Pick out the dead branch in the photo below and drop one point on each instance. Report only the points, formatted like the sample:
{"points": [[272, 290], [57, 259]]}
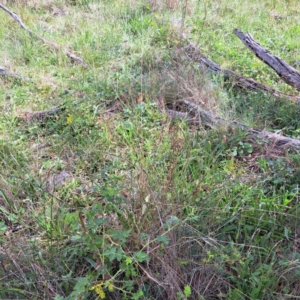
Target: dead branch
{"points": [[40, 115], [195, 115], [52, 45], [5, 72], [286, 72], [177, 114], [195, 55]]}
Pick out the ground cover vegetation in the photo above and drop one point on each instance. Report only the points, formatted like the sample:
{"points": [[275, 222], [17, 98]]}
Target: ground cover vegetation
{"points": [[108, 196]]}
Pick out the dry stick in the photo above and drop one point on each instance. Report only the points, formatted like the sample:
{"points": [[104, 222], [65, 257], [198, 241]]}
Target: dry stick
{"points": [[286, 72], [194, 54], [52, 45], [197, 116]]}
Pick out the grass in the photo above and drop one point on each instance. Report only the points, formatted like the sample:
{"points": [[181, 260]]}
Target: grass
{"points": [[112, 199], [262, 20]]}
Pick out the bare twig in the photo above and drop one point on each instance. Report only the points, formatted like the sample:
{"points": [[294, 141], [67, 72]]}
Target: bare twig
{"points": [[52, 45], [150, 276]]}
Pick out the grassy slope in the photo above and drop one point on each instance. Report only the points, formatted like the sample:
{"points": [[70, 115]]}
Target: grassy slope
{"points": [[151, 209]]}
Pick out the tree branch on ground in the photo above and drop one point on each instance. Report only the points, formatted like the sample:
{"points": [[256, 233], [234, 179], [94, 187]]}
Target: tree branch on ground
{"points": [[194, 54], [52, 45], [286, 72], [5, 72], [197, 116], [41, 115]]}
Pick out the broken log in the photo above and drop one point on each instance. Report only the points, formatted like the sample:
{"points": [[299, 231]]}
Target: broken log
{"points": [[195, 55], [286, 72]]}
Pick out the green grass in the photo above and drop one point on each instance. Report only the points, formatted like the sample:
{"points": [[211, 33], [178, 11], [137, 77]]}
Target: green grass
{"points": [[145, 207]]}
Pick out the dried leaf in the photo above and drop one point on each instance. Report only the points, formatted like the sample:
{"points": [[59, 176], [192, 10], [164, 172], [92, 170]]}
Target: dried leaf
{"points": [[140, 98]]}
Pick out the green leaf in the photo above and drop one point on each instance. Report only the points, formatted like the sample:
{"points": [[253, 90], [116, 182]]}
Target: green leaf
{"points": [[119, 255], [141, 256], [187, 291], [76, 237], [120, 235], [67, 276], [183, 262], [81, 285], [286, 233], [128, 261], [110, 253], [137, 295], [163, 239]]}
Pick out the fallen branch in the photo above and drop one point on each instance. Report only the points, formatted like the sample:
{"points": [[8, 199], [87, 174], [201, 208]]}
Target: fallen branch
{"points": [[40, 115], [194, 54], [286, 72], [52, 45], [5, 72], [195, 115]]}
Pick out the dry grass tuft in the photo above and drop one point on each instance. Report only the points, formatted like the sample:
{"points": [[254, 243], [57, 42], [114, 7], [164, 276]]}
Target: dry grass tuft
{"points": [[186, 81]]}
